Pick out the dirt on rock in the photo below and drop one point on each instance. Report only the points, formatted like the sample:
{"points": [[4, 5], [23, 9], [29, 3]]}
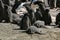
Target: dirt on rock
{"points": [[10, 31]]}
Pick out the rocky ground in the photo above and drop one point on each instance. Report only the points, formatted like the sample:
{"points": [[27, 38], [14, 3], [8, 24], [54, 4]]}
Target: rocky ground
{"points": [[10, 31]]}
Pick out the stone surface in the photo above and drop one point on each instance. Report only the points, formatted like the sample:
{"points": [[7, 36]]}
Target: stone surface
{"points": [[10, 32]]}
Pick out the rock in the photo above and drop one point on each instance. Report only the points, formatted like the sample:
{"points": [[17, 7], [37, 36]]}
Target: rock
{"points": [[33, 29], [39, 23]]}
